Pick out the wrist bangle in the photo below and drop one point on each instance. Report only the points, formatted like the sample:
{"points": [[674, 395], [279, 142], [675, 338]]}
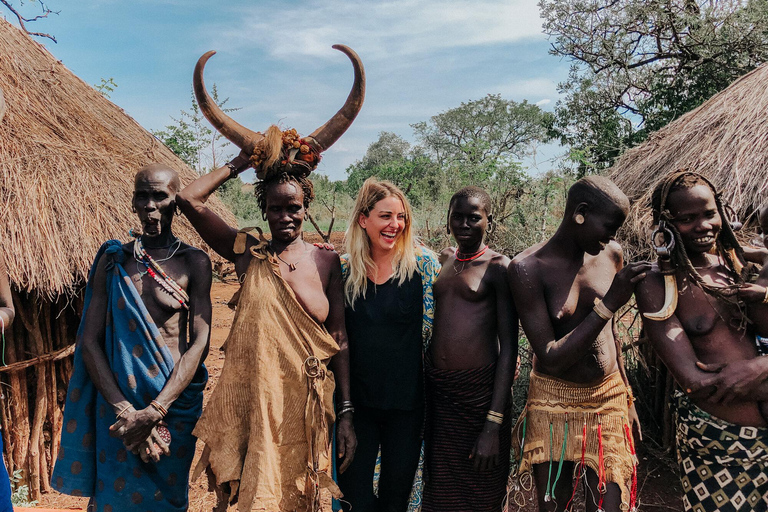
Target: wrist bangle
{"points": [[122, 412], [159, 408], [495, 417], [344, 411], [233, 172], [602, 310], [630, 397]]}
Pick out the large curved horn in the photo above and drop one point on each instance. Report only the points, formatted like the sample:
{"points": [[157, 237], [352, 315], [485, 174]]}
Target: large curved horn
{"points": [[2, 105], [330, 132], [238, 134]]}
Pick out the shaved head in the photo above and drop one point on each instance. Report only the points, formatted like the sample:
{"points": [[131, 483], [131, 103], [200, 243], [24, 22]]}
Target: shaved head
{"points": [[159, 172], [598, 192]]}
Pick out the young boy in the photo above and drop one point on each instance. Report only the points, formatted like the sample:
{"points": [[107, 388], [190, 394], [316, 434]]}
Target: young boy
{"points": [[469, 368]]}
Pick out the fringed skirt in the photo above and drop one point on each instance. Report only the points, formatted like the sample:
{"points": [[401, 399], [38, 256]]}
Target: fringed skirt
{"points": [[723, 466], [582, 423]]}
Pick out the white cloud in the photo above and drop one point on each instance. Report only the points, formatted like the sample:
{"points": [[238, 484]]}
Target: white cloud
{"points": [[543, 102], [379, 30]]}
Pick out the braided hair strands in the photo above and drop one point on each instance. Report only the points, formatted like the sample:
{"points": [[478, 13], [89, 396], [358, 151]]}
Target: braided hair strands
{"points": [[302, 182], [728, 247]]}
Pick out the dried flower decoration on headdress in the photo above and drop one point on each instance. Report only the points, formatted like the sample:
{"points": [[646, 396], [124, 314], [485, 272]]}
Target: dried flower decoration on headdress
{"points": [[277, 150]]}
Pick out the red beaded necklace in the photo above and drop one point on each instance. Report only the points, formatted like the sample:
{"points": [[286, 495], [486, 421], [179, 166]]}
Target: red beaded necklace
{"points": [[469, 257]]}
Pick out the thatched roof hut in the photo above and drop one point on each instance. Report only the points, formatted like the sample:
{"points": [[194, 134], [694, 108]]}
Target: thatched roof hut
{"points": [[725, 139], [67, 161]]}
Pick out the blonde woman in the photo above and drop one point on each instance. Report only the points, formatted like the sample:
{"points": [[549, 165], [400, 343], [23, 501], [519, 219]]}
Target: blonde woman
{"points": [[389, 309]]}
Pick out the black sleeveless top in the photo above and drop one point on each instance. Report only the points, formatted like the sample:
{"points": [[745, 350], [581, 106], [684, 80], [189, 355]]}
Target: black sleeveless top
{"points": [[385, 355]]}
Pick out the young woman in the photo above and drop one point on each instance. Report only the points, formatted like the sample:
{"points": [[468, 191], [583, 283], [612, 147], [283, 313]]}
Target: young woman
{"points": [[389, 311], [705, 334]]}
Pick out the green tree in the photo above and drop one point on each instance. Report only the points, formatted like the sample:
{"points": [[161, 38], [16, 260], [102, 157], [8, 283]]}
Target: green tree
{"points": [[194, 141], [640, 64]]}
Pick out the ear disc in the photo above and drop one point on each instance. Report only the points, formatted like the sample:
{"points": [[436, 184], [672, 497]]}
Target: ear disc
{"points": [[579, 218]]}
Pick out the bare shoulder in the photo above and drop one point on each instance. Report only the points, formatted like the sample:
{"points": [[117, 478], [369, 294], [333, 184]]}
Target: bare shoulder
{"points": [[196, 260], [525, 266], [498, 264], [650, 291], [614, 251]]}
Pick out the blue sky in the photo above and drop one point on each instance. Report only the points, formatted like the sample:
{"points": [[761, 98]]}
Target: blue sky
{"points": [[275, 59]]}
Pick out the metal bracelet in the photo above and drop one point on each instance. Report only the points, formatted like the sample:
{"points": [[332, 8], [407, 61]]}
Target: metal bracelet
{"points": [[233, 172], [602, 310], [344, 411]]}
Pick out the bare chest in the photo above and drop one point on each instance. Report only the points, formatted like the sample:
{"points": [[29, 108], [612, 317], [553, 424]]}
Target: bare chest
{"points": [[570, 296], [702, 314], [158, 301], [309, 287], [470, 284]]}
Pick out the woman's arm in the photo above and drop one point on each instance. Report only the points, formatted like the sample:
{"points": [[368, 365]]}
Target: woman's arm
{"points": [[346, 441], [212, 228]]}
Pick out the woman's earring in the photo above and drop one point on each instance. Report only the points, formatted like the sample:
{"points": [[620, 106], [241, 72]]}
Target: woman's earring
{"points": [[578, 218], [263, 215], [133, 209], [178, 211]]}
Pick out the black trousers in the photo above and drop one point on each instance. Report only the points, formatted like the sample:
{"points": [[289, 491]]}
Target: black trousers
{"points": [[399, 435]]}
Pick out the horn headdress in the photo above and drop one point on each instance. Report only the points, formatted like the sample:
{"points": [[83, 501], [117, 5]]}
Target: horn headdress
{"points": [[277, 150]]}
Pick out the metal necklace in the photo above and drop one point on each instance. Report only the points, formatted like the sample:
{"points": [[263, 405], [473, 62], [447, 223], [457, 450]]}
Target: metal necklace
{"points": [[291, 266]]}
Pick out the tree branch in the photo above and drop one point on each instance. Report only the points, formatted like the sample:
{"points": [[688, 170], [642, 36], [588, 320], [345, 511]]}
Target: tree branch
{"points": [[22, 20]]}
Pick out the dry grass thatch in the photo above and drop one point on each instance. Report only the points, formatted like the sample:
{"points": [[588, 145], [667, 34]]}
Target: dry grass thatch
{"points": [[67, 160], [725, 139]]}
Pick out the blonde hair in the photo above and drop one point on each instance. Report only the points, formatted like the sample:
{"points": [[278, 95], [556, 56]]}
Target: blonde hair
{"points": [[359, 245]]}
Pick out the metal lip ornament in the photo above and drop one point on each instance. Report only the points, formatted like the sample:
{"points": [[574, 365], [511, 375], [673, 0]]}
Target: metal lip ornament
{"points": [[275, 150]]}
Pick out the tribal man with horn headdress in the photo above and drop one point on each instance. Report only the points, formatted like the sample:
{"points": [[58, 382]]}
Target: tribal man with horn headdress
{"points": [[266, 427], [695, 314]]}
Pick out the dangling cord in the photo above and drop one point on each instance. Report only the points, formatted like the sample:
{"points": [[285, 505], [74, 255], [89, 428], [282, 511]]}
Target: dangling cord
{"points": [[580, 466], [633, 491], [562, 457], [522, 442], [547, 496], [601, 465]]}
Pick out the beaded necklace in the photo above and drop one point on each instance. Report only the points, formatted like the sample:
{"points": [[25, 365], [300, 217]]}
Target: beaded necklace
{"points": [[158, 274], [463, 258]]}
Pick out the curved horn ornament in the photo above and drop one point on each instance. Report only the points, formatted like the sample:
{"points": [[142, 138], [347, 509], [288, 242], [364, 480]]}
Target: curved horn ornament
{"points": [[238, 134], [670, 300], [330, 132]]}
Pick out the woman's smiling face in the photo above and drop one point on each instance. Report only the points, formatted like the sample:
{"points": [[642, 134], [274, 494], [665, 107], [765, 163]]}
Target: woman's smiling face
{"points": [[384, 223]]}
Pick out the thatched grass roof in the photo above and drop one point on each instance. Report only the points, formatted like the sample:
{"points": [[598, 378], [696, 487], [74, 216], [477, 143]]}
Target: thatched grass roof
{"points": [[725, 139], [67, 160]]}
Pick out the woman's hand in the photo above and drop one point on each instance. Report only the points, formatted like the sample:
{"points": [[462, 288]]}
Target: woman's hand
{"points": [[346, 441], [485, 453], [136, 426], [623, 285], [634, 423], [751, 293], [731, 381], [152, 448]]}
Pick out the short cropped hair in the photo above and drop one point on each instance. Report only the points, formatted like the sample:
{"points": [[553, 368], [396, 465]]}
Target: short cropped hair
{"points": [[598, 192], [473, 192], [302, 182]]}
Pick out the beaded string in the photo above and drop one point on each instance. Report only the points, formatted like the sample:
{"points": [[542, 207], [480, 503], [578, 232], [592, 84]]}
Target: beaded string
{"points": [[633, 492], [547, 496], [580, 467], [562, 457], [164, 280], [470, 257], [601, 465]]}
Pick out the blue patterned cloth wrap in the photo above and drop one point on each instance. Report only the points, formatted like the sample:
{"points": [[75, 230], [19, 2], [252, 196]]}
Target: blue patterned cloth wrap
{"points": [[91, 462]]}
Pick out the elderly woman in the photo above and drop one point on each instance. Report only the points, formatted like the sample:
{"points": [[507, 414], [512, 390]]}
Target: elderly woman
{"points": [[266, 427], [389, 309], [705, 334]]}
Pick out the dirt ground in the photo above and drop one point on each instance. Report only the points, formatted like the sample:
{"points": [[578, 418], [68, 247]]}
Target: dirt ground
{"points": [[658, 483]]}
